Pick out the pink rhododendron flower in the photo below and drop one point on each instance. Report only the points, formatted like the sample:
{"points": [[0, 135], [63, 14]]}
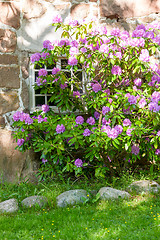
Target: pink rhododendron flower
{"points": [[116, 70], [20, 142], [91, 121], [129, 131], [42, 72], [73, 51], [47, 44], [57, 19], [63, 86], [45, 108], [104, 48], [55, 70], [35, 57], [76, 94], [96, 87], [144, 56], [78, 162], [72, 61], [60, 128], [135, 150], [142, 103], [126, 122], [79, 120], [96, 115], [138, 82], [44, 160], [105, 110], [132, 99], [86, 132]]}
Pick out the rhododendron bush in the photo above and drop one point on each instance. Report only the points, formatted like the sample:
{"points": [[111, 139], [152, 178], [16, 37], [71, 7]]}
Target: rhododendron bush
{"points": [[115, 122]]}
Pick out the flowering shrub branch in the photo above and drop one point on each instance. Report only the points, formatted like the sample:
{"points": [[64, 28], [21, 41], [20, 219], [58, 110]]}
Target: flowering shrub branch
{"points": [[118, 115]]}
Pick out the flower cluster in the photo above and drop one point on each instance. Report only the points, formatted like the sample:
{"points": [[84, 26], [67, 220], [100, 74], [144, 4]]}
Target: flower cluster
{"points": [[112, 132], [135, 150], [45, 108], [91, 121], [20, 142], [96, 87], [86, 132], [116, 70], [35, 57], [21, 116], [78, 162], [105, 110], [60, 128], [79, 120], [72, 61]]}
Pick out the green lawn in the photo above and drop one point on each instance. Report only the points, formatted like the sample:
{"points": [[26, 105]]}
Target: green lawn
{"points": [[136, 218]]}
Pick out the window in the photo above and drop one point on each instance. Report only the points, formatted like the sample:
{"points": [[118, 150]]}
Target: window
{"points": [[37, 99]]}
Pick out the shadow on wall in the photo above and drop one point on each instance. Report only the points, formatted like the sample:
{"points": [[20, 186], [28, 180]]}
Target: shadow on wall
{"points": [[33, 12]]}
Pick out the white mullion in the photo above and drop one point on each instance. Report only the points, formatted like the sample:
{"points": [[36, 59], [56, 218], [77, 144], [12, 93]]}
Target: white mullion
{"points": [[32, 91], [71, 79], [58, 64], [83, 81]]}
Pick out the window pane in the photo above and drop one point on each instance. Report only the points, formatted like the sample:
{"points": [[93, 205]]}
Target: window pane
{"points": [[39, 100], [79, 66], [49, 72], [79, 75], [76, 88], [67, 74], [64, 63], [37, 91], [39, 67], [36, 75], [51, 66]]}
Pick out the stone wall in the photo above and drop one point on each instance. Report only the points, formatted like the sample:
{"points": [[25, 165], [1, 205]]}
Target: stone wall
{"points": [[24, 25]]}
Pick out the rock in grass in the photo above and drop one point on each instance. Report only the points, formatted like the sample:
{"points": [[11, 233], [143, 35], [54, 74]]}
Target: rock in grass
{"points": [[72, 197], [144, 186], [9, 206], [111, 193], [34, 201]]}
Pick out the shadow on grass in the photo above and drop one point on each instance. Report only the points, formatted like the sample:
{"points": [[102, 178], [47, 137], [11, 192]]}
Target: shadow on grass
{"points": [[136, 218]]}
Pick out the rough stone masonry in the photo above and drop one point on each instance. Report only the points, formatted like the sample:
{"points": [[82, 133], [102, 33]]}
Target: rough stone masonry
{"points": [[24, 25]]}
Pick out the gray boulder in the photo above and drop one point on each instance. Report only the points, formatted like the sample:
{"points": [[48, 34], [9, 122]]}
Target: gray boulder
{"points": [[111, 193], [71, 197], [144, 186], [9, 206], [34, 201]]}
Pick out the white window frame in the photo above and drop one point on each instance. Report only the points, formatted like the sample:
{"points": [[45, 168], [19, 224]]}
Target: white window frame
{"points": [[32, 72]]}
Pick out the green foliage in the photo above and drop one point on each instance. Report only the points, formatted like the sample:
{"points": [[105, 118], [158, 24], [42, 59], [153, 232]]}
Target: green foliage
{"points": [[103, 145]]}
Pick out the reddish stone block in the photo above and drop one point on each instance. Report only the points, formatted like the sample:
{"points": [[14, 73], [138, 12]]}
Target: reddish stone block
{"points": [[80, 11], [32, 9], [8, 59], [9, 14], [9, 101], [9, 77], [126, 9], [62, 7], [14, 164], [8, 41]]}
